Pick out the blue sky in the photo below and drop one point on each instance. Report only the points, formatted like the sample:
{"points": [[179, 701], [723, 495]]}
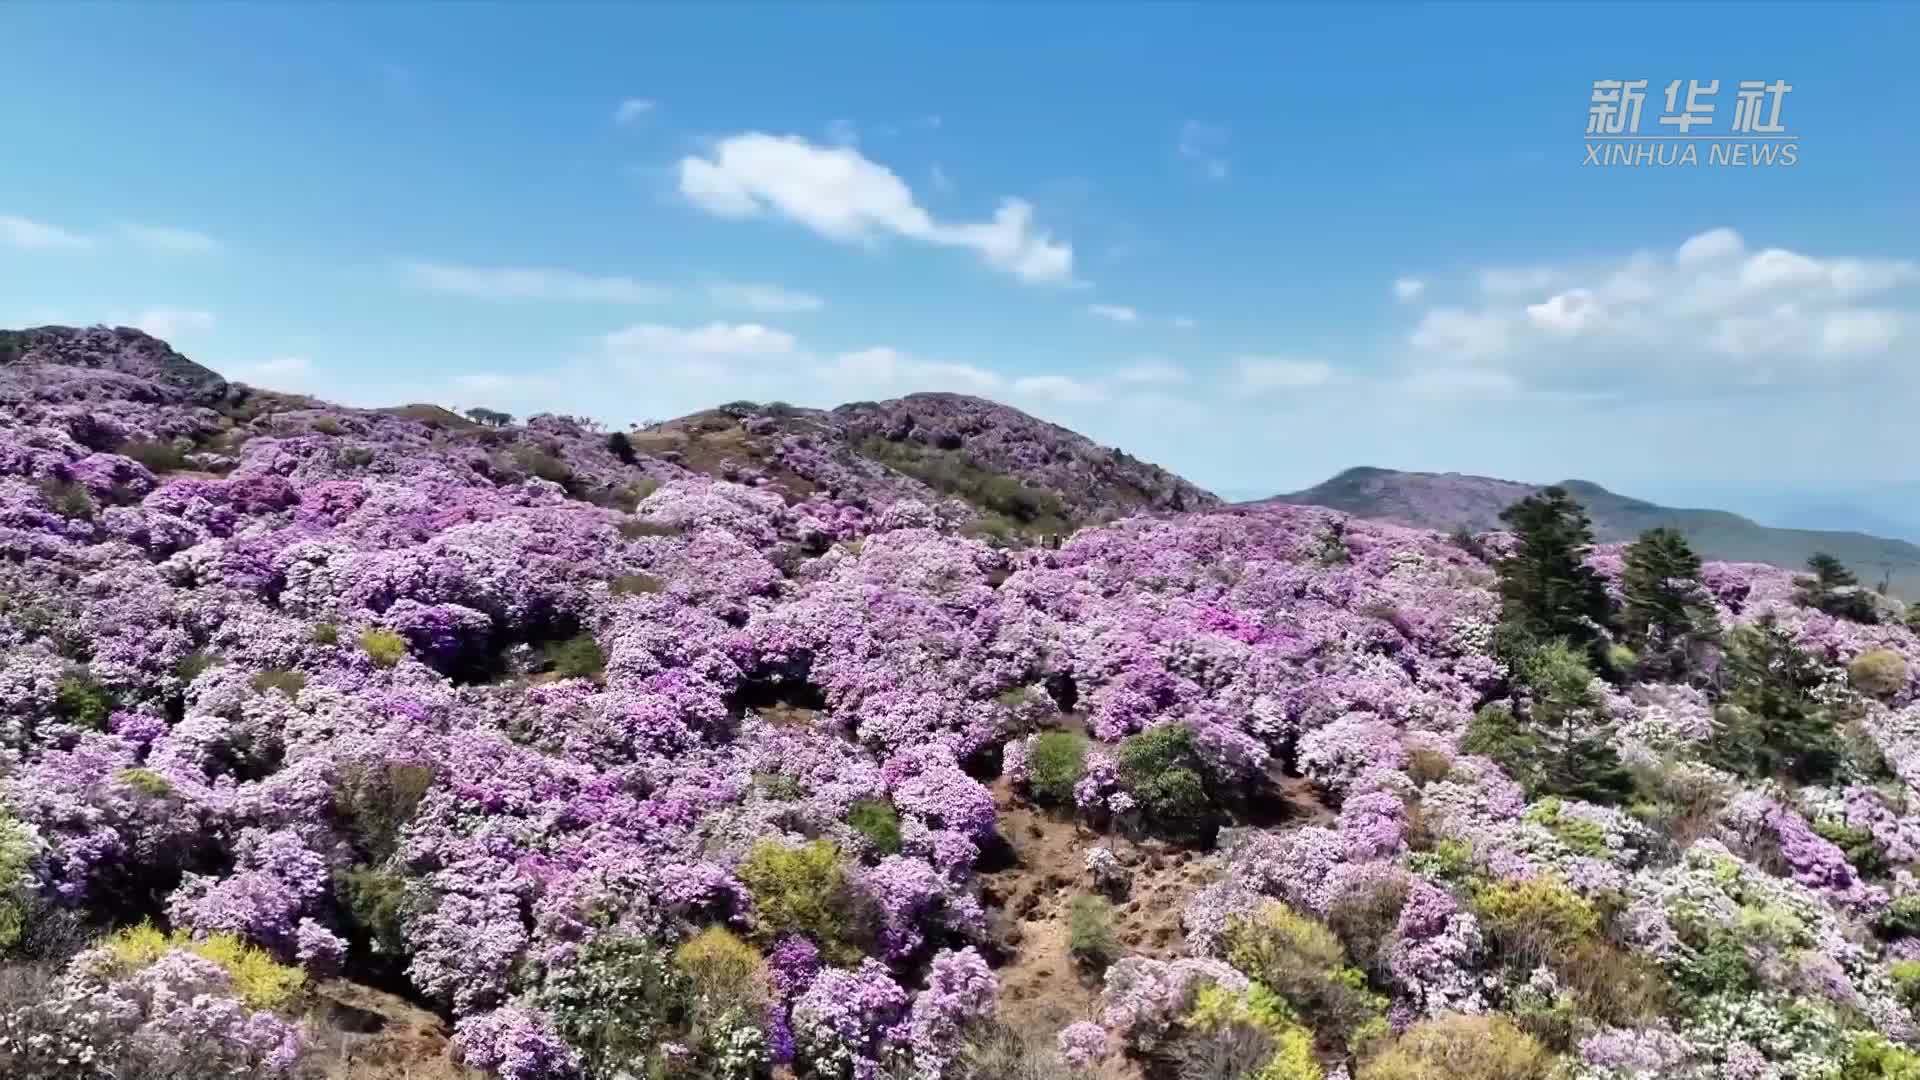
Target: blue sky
{"points": [[1254, 243]]}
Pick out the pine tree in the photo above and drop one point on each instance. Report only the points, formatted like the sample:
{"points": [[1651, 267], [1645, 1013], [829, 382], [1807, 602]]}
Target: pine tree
{"points": [[1665, 607], [621, 447], [1835, 590], [1769, 723], [1562, 744], [1547, 591]]}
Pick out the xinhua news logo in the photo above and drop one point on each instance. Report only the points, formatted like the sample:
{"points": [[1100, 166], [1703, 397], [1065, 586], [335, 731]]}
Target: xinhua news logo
{"points": [[1757, 137]]}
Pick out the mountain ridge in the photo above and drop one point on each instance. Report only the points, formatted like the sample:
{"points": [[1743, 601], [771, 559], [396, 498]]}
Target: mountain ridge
{"points": [[1452, 500]]}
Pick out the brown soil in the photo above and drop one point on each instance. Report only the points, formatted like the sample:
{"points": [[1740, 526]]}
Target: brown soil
{"points": [[1041, 985], [366, 1034]]}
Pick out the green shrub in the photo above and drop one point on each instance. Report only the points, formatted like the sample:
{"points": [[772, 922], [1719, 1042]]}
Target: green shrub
{"points": [[1906, 981], [1902, 915], [1055, 763], [1459, 1047], [378, 903], [1880, 673], [1090, 937], [1220, 1022], [876, 820], [1538, 920], [779, 787], [79, 699], [69, 500], [383, 647], [636, 585], [577, 657], [1364, 919], [1582, 837], [191, 665], [1450, 860], [723, 969], [159, 456], [1163, 772], [537, 462], [146, 782], [324, 633], [17, 850], [287, 682], [635, 528], [1872, 1057], [804, 890], [1304, 963], [1613, 985], [325, 425], [1859, 845], [621, 447], [354, 457], [376, 800]]}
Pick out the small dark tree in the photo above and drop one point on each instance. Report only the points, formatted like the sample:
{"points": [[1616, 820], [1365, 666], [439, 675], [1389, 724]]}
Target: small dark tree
{"points": [[621, 447], [1769, 723], [1563, 743], [489, 418], [1835, 590], [1547, 591], [1665, 605]]}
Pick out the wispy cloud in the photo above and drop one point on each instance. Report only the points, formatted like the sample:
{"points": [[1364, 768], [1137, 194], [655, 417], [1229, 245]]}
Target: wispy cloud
{"points": [[166, 238], [1114, 312], [1150, 371], [767, 298], [1205, 145], [1408, 288], [29, 235], [531, 283], [842, 195], [1263, 373], [632, 111], [166, 322]]}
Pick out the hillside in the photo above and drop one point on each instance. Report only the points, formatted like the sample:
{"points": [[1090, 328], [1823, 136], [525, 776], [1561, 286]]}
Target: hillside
{"points": [[343, 744], [1448, 501]]}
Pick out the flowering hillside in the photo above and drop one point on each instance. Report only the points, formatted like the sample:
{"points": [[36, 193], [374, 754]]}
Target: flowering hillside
{"points": [[687, 755]]}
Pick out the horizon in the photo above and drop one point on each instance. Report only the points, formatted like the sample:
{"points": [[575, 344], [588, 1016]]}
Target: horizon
{"points": [[1216, 264]]}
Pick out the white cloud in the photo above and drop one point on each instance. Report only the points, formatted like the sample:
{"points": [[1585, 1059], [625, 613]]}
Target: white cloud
{"points": [[1567, 313], [1149, 371], [528, 283], [1205, 146], [1711, 308], [770, 298], [1114, 312], [278, 373], [1408, 288], [1510, 281], [1851, 332], [840, 194], [1710, 246], [29, 235], [1059, 388], [644, 340], [1460, 332], [166, 238], [1182, 322], [1461, 383], [1257, 373], [165, 322], [632, 111], [892, 371]]}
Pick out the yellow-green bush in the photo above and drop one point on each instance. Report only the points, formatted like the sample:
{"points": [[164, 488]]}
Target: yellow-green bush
{"points": [[383, 647], [1303, 962], [1539, 920], [1216, 1009], [803, 890], [16, 856], [1881, 673], [722, 968], [1458, 1047], [260, 981]]}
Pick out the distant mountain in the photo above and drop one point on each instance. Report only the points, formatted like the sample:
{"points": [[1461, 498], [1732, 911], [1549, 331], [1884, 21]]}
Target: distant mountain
{"points": [[1449, 501]]}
